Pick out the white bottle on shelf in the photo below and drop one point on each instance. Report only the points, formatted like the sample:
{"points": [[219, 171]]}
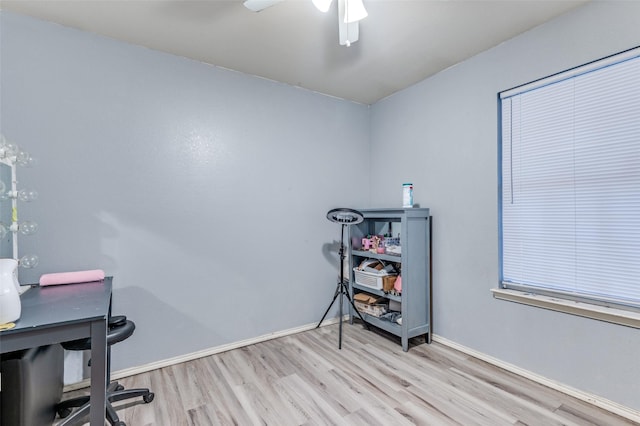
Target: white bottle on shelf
{"points": [[407, 195]]}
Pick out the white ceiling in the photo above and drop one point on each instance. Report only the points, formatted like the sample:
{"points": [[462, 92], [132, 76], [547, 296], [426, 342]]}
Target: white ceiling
{"points": [[401, 41]]}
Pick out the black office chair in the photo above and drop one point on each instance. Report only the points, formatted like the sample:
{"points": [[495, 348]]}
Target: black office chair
{"points": [[119, 329]]}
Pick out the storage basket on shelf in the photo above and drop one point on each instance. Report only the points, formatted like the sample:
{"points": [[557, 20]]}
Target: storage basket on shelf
{"points": [[374, 274]]}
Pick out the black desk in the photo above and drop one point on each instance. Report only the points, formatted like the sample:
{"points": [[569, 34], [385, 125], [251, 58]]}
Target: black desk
{"points": [[60, 313]]}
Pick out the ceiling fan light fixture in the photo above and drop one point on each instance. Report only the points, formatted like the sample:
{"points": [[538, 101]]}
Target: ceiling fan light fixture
{"points": [[348, 33], [322, 5], [354, 11]]}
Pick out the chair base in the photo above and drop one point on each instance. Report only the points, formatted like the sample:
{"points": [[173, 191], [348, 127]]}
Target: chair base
{"points": [[115, 392]]}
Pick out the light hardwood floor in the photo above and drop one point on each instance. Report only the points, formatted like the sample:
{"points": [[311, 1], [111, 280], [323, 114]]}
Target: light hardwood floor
{"points": [[305, 380]]}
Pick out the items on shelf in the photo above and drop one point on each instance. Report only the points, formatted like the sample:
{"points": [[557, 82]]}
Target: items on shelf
{"points": [[370, 304], [393, 250], [382, 244], [397, 286], [373, 273], [393, 316], [374, 244], [378, 306]]}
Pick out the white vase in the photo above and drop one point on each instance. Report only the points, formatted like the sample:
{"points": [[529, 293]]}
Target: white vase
{"points": [[10, 307]]}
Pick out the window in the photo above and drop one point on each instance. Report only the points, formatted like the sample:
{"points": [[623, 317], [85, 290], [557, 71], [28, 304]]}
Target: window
{"points": [[570, 184]]}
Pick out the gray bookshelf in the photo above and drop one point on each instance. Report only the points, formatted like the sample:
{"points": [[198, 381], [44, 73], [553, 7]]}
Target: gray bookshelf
{"points": [[414, 227]]}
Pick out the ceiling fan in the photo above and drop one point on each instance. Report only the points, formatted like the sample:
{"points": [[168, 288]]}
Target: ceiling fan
{"points": [[350, 12]]}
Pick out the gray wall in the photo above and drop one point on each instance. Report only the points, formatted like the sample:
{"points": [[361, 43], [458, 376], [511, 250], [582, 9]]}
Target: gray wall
{"points": [[203, 191], [444, 131]]}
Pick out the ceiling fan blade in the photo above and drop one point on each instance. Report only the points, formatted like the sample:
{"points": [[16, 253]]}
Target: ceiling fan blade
{"points": [[258, 5]]}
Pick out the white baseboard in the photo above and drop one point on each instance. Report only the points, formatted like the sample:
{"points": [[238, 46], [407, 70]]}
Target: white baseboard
{"points": [[203, 353], [598, 401]]}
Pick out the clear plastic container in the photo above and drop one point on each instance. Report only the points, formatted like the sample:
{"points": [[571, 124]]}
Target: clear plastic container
{"points": [[407, 195]]}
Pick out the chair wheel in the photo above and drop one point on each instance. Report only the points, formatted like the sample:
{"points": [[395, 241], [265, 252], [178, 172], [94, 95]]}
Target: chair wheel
{"points": [[119, 388], [64, 412], [148, 398], [119, 424]]}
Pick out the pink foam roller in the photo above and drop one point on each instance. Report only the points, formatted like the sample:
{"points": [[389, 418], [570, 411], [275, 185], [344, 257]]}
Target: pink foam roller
{"points": [[72, 277]]}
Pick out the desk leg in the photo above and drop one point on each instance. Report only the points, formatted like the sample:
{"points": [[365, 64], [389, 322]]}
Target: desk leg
{"points": [[98, 371]]}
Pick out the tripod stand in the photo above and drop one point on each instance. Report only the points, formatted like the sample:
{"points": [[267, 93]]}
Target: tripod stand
{"points": [[344, 217]]}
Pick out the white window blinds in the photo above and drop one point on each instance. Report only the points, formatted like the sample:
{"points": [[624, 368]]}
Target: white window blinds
{"points": [[570, 180]]}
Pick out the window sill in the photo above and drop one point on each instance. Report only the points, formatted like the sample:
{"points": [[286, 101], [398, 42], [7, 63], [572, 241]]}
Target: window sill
{"points": [[601, 313]]}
